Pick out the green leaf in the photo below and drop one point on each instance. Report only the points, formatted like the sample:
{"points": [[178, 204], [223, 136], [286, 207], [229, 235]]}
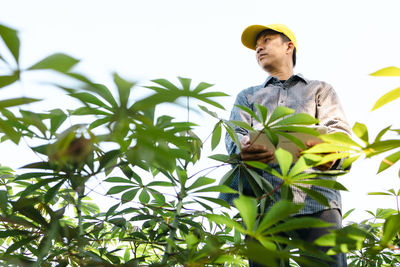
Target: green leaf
{"points": [[159, 183], [87, 98], [108, 158], [58, 62], [118, 180], [17, 102], [381, 133], [221, 157], [118, 189], [216, 135], [158, 197], [99, 122], [327, 148], [57, 117], [211, 102], [299, 118], [207, 207], [201, 86], [380, 147], [89, 111], [221, 219], [31, 188], [248, 210], [250, 112], [389, 161], [297, 223], [212, 94], [129, 195], [389, 71], [294, 140], [182, 175], [52, 192], [11, 40], [361, 131], [301, 165], [30, 175], [324, 183], [217, 201], [202, 181], [112, 210], [278, 212], [347, 162], [254, 183], [261, 181], [386, 98], [284, 159], [13, 232], [167, 84], [243, 125], [279, 112], [233, 135], [333, 157], [263, 166], [19, 243], [35, 119], [390, 228], [272, 136], [315, 195], [144, 196], [124, 89], [185, 83], [102, 91], [217, 188], [212, 113], [298, 129], [348, 213], [263, 112], [9, 131], [379, 194], [119, 222], [228, 177], [8, 79], [26, 207], [3, 200]]}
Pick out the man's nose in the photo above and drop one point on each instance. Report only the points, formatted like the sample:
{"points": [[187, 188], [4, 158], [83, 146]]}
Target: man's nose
{"points": [[258, 49]]}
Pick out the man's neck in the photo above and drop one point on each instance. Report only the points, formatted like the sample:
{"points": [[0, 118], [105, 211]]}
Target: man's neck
{"points": [[282, 73]]}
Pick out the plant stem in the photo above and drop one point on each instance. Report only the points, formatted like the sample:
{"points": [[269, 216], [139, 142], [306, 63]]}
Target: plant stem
{"points": [[174, 226], [81, 193]]}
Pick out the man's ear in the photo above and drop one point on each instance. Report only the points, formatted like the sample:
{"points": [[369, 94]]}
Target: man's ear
{"points": [[290, 46]]}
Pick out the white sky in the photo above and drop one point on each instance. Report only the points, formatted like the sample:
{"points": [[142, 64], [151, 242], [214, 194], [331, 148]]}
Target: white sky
{"points": [[340, 42]]}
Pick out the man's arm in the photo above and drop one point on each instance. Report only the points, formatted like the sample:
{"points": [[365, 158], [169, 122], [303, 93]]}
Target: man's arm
{"points": [[330, 114]]}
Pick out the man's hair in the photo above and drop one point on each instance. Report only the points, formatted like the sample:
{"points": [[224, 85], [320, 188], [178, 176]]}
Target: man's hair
{"points": [[284, 38]]}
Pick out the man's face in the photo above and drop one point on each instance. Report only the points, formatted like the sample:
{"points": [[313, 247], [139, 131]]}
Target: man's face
{"points": [[271, 51]]}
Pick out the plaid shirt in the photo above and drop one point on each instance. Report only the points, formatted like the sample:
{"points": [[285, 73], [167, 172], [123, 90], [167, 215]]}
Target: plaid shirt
{"points": [[304, 96]]}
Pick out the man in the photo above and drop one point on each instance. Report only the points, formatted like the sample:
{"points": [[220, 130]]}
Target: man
{"points": [[275, 46]]}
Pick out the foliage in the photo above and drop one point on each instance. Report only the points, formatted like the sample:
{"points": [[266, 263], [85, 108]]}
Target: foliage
{"points": [[164, 215]]}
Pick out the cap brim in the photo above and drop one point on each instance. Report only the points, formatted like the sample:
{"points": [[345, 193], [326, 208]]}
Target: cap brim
{"points": [[250, 33]]}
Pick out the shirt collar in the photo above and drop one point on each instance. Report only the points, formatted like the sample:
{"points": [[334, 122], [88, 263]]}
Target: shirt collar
{"points": [[294, 77]]}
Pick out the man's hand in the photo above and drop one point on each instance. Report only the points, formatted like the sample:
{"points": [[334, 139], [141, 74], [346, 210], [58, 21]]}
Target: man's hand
{"points": [[325, 166], [255, 152]]}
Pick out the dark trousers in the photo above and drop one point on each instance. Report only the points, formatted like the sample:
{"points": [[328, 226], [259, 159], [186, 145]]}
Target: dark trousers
{"points": [[311, 234]]}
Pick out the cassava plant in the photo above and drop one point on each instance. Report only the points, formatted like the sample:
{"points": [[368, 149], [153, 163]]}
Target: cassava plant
{"points": [[161, 209]]}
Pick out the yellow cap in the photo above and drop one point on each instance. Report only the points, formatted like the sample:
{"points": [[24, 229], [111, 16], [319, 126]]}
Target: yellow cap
{"points": [[250, 33]]}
